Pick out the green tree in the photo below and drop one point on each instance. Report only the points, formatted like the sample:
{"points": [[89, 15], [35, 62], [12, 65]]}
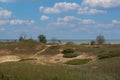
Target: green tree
{"points": [[21, 38], [92, 43], [42, 38], [100, 39]]}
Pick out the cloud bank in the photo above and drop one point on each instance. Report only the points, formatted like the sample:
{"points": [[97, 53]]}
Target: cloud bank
{"points": [[102, 3], [61, 7]]}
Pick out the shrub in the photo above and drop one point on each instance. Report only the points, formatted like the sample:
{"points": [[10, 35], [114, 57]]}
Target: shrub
{"points": [[70, 55], [68, 51], [92, 43], [78, 61], [108, 55]]}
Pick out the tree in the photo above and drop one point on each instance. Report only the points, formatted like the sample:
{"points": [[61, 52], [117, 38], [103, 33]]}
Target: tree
{"points": [[42, 38], [21, 38], [92, 43], [100, 39]]}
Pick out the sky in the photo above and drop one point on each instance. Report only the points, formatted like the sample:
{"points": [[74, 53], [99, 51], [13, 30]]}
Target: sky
{"points": [[61, 19]]}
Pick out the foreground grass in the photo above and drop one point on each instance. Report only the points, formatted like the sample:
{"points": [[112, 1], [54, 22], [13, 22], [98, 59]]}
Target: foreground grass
{"points": [[107, 69]]}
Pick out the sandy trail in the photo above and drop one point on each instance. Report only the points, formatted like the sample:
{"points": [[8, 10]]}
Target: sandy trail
{"points": [[47, 46]]}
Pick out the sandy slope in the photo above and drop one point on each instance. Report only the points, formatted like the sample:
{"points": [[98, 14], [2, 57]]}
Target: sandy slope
{"points": [[44, 59], [9, 58], [59, 58]]}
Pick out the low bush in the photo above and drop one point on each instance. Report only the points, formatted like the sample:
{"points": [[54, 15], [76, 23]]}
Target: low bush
{"points": [[78, 61], [92, 43], [68, 51], [108, 55], [70, 55]]}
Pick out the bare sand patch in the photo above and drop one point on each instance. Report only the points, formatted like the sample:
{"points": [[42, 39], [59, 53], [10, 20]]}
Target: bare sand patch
{"points": [[9, 58]]}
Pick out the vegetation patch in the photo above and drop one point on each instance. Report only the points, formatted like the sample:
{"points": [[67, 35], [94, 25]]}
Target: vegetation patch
{"points": [[78, 61], [52, 50], [3, 77], [109, 54], [66, 51], [70, 55]]}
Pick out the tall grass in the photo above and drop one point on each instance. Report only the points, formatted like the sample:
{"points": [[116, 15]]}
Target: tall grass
{"points": [[99, 70], [22, 47]]}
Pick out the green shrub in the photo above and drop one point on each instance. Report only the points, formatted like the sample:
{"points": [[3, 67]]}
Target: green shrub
{"points": [[92, 43], [68, 51], [70, 55], [78, 61], [108, 55]]}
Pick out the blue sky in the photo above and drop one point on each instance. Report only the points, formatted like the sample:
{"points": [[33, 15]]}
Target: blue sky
{"points": [[61, 19]]}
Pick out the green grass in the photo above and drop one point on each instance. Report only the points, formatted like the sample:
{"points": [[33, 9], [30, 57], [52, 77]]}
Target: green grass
{"points": [[107, 69], [23, 47], [109, 54], [51, 51], [25, 71], [78, 61]]}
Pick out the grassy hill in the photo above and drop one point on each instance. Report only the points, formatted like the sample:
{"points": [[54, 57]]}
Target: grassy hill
{"points": [[105, 66]]}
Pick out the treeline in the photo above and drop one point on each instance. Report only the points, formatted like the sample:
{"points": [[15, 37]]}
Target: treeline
{"points": [[42, 38]]}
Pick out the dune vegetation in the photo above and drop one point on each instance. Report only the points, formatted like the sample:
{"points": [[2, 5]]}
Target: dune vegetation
{"points": [[38, 61]]}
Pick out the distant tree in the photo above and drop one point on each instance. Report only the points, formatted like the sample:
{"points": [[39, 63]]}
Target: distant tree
{"points": [[42, 38], [21, 38], [59, 41], [100, 39], [92, 43]]}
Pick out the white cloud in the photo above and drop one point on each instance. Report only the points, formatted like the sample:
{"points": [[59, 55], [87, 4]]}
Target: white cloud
{"points": [[43, 17], [87, 21], [2, 22], [60, 7], [4, 1], [116, 21], [67, 19], [18, 21], [107, 25], [67, 7], [5, 13], [72, 21], [87, 10], [102, 3]]}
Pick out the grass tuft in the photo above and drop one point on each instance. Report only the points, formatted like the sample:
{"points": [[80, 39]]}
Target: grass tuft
{"points": [[78, 61]]}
